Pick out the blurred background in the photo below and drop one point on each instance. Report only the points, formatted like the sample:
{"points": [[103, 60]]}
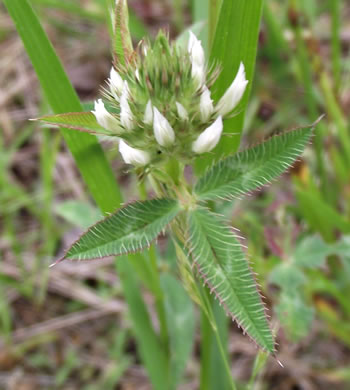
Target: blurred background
{"points": [[68, 327]]}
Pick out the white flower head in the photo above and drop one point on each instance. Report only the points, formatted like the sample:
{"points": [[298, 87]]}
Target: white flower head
{"points": [[206, 106], [234, 93], [126, 117], [104, 118], [181, 110], [133, 156], [148, 117], [163, 131], [116, 83], [209, 138]]}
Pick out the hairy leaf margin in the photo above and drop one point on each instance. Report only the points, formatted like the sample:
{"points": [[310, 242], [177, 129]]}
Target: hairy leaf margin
{"points": [[130, 229]]}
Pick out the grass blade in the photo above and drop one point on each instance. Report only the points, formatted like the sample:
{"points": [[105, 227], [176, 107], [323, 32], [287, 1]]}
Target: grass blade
{"points": [[235, 41], [62, 98]]}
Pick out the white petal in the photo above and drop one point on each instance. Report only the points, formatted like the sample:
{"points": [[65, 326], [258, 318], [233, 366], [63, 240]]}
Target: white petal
{"points": [[137, 74], [209, 138], [148, 117], [206, 105], [163, 131], [126, 117], [195, 50], [181, 110], [133, 156], [104, 118], [198, 73], [234, 93], [116, 83]]}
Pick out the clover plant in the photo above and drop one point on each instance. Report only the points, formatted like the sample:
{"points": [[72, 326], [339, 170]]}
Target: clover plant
{"points": [[157, 104]]}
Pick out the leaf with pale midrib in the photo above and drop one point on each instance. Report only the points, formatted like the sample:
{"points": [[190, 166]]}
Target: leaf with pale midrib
{"points": [[222, 265], [253, 168], [82, 121], [132, 228]]}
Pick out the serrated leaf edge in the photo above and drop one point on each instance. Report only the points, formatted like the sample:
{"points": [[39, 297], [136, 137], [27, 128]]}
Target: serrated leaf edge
{"points": [[221, 301], [149, 242], [246, 150]]}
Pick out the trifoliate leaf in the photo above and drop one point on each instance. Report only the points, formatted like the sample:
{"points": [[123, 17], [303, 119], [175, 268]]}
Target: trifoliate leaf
{"points": [[222, 265], [253, 168], [132, 228]]}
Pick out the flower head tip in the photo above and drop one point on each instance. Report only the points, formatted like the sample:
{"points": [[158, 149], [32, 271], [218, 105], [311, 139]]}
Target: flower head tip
{"points": [[234, 93]]}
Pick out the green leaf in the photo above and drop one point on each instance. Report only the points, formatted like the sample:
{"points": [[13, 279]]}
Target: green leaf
{"points": [[61, 96], [312, 252], [288, 276], [131, 229], [320, 215], [252, 168], [122, 39], [221, 263], [181, 324], [82, 121], [295, 315]]}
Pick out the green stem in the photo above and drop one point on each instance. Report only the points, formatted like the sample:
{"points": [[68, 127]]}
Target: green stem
{"points": [[159, 297], [336, 113], [335, 41], [213, 323], [155, 282]]}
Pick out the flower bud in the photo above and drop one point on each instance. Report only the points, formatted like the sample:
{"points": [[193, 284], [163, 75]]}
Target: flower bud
{"points": [[104, 118], [234, 93], [163, 131], [116, 83], [209, 138], [133, 156], [196, 50], [126, 117], [206, 106], [181, 111], [148, 117], [197, 56]]}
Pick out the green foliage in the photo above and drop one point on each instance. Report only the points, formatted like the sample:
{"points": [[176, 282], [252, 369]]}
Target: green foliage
{"points": [[253, 168], [295, 315], [180, 317], [61, 96], [122, 39], [294, 309], [78, 213], [218, 257], [151, 350], [82, 121], [235, 41], [132, 228]]}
